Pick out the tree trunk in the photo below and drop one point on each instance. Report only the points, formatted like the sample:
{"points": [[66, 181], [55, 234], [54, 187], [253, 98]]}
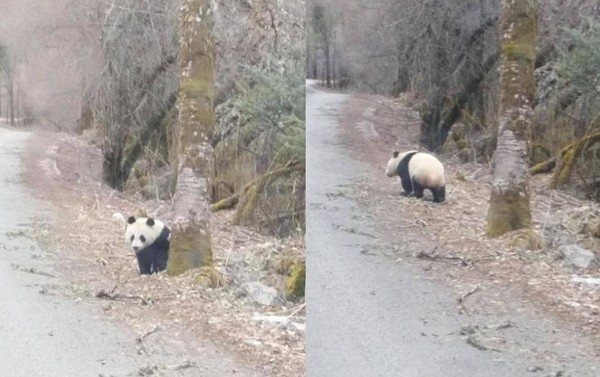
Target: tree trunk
{"points": [[327, 66], [191, 243], [11, 101], [333, 68], [509, 201], [17, 106], [307, 58]]}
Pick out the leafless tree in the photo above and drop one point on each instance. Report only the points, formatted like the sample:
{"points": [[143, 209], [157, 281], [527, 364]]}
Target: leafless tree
{"points": [[442, 51], [138, 83], [109, 69], [323, 29]]}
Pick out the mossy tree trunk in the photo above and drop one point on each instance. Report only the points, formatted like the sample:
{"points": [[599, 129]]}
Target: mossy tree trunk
{"points": [[191, 243], [509, 201]]}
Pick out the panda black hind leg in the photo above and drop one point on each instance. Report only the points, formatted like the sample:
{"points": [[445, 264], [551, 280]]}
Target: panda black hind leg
{"points": [[439, 194]]}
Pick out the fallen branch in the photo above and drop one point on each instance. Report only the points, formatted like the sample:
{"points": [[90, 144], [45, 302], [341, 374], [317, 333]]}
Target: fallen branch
{"points": [[477, 342], [32, 270], [434, 257], [566, 160], [184, 365], [544, 167], [141, 338], [300, 307], [226, 203], [462, 298], [251, 192], [116, 296], [504, 325]]}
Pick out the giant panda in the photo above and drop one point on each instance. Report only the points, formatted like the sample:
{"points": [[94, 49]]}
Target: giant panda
{"points": [[418, 171], [150, 239]]}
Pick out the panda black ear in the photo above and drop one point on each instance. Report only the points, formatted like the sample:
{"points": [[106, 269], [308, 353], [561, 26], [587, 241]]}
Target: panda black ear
{"points": [[150, 222], [396, 153], [130, 220]]}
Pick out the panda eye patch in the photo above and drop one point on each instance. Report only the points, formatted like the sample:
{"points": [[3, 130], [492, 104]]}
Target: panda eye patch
{"points": [[142, 238], [132, 237]]}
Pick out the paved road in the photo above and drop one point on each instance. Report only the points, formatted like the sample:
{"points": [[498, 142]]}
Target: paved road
{"points": [[368, 316], [45, 335]]}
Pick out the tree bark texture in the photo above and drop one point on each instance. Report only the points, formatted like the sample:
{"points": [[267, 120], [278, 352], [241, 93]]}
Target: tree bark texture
{"points": [[191, 243], [509, 201]]}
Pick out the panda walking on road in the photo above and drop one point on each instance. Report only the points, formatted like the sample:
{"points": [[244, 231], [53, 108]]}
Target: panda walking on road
{"points": [[418, 171]]}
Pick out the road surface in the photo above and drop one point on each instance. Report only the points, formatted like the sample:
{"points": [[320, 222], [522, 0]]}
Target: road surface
{"points": [[46, 335], [369, 316]]}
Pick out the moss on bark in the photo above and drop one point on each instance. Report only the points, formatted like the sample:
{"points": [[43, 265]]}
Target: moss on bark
{"points": [[226, 203], [568, 158], [509, 210], [191, 241], [296, 281], [249, 200], [190, 248]]}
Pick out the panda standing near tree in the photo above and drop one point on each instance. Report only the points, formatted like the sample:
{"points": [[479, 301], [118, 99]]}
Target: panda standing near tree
{"points": [[418, 171], [150, 240]]}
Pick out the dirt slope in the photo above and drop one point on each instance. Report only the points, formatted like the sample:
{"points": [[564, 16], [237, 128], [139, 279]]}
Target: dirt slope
{"points": [[202, 324]]}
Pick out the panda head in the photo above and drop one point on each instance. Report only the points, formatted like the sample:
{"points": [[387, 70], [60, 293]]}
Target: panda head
{"points": [[141, 232], [392, 166]]}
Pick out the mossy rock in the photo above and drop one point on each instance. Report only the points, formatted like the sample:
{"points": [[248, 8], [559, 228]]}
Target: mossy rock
{"points": [[139, 171], [458, 132], [296, 281], [209, 277], [465, 155], [284, 264], [460, 176], [592, 229], [526, 239], [462, 144]]}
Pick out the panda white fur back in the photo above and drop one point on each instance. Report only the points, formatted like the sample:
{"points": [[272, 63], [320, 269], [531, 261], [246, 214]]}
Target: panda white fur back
{"points": [[150, 240], [418, 171]]}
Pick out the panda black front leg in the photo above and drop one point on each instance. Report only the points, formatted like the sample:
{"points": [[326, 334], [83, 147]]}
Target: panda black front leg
{"points": [[418, 190], [143, 266], [407, 185]]}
